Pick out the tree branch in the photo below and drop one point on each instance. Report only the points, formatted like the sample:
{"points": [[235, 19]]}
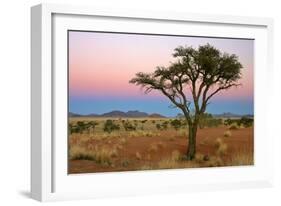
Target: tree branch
{"points": [[221, 88]]}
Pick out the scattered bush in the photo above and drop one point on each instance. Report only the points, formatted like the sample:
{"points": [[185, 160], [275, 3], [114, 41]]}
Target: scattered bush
{"points": [[128, 126], [244, 121], [110, 126], [207, 120], [162, 126], [165, 125], [158, 126], [144, 121], [176, 124]]}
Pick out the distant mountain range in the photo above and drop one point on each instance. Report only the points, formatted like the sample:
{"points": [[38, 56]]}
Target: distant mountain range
{"points": [[138, 114], [232, 115], [117, 113]]}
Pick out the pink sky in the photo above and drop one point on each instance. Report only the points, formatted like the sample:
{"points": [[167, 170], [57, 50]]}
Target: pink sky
{"points": [[101, 64]]}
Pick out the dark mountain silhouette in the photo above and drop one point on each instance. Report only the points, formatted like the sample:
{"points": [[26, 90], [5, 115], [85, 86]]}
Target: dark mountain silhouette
{"points": [[136, 113], [71, 114], [92, 115], [232, 115], [117, 113], [155, 115]]}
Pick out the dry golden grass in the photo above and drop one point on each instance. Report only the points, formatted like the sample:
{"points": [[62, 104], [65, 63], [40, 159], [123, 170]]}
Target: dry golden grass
{"points": [[182, 133], [148, 134], [102, 156], [241, 157], [233, 127], [114, 153], [227, 133], [123, 140], [175, 155], [199, 158], [153, 148], [77, 152], [146, 167], [221, 147], [169, 163], [175, 161], [119, 147], [119, 150], [133, 134], [215, 162]]}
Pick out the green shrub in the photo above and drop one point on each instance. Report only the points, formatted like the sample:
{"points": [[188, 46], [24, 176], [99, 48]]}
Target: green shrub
{"points": [[128, 126], [110, 126], [207, 120], [158, 126], [246, 122], [176, 124]]}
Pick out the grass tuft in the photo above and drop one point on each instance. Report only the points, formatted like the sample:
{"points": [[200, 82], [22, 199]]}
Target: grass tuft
{"points": [[221, 147], [138, 156], [100, 156], [233, 127], [227, 133]]}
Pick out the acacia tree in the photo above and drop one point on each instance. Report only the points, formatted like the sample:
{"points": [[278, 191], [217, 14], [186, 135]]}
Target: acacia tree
{"points": [[202, 72]]}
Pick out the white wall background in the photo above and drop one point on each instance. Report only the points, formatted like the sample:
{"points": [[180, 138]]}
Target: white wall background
{"points": [[15, 101]]}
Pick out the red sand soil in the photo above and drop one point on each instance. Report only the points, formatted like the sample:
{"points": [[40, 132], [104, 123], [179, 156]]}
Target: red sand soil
{"points": [[241, 139]]}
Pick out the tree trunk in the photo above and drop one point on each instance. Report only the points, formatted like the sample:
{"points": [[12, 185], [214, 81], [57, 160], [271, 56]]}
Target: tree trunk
{"points": [[191, 150]]}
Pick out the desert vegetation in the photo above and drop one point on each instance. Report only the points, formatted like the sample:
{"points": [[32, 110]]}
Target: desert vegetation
{"points": [[126, 144]]}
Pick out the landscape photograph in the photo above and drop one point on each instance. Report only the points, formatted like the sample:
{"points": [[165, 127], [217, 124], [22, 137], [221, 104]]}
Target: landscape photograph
{"points": [[140, 102]]}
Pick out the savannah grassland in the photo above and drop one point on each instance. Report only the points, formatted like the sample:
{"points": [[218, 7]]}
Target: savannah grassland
{"points": [[127, 144]]}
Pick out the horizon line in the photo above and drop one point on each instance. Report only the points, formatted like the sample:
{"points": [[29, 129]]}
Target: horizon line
{"points": [[91, 113]]}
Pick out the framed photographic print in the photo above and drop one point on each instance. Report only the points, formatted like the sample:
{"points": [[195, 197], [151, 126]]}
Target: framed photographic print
{"points": [[137, 102]]}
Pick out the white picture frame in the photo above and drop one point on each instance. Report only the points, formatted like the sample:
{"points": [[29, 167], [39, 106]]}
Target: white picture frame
{"points": [[49, 179]]}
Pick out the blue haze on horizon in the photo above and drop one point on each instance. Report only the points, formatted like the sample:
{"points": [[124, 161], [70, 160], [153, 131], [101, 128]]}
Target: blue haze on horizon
{"points": [[160, 106]]}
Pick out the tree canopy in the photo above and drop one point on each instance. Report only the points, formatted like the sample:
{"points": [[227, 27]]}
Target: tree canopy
{"points": [[205, 71]]}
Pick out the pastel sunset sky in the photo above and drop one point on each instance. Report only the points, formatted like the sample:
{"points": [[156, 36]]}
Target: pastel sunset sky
{"points": [[101, 65]]}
